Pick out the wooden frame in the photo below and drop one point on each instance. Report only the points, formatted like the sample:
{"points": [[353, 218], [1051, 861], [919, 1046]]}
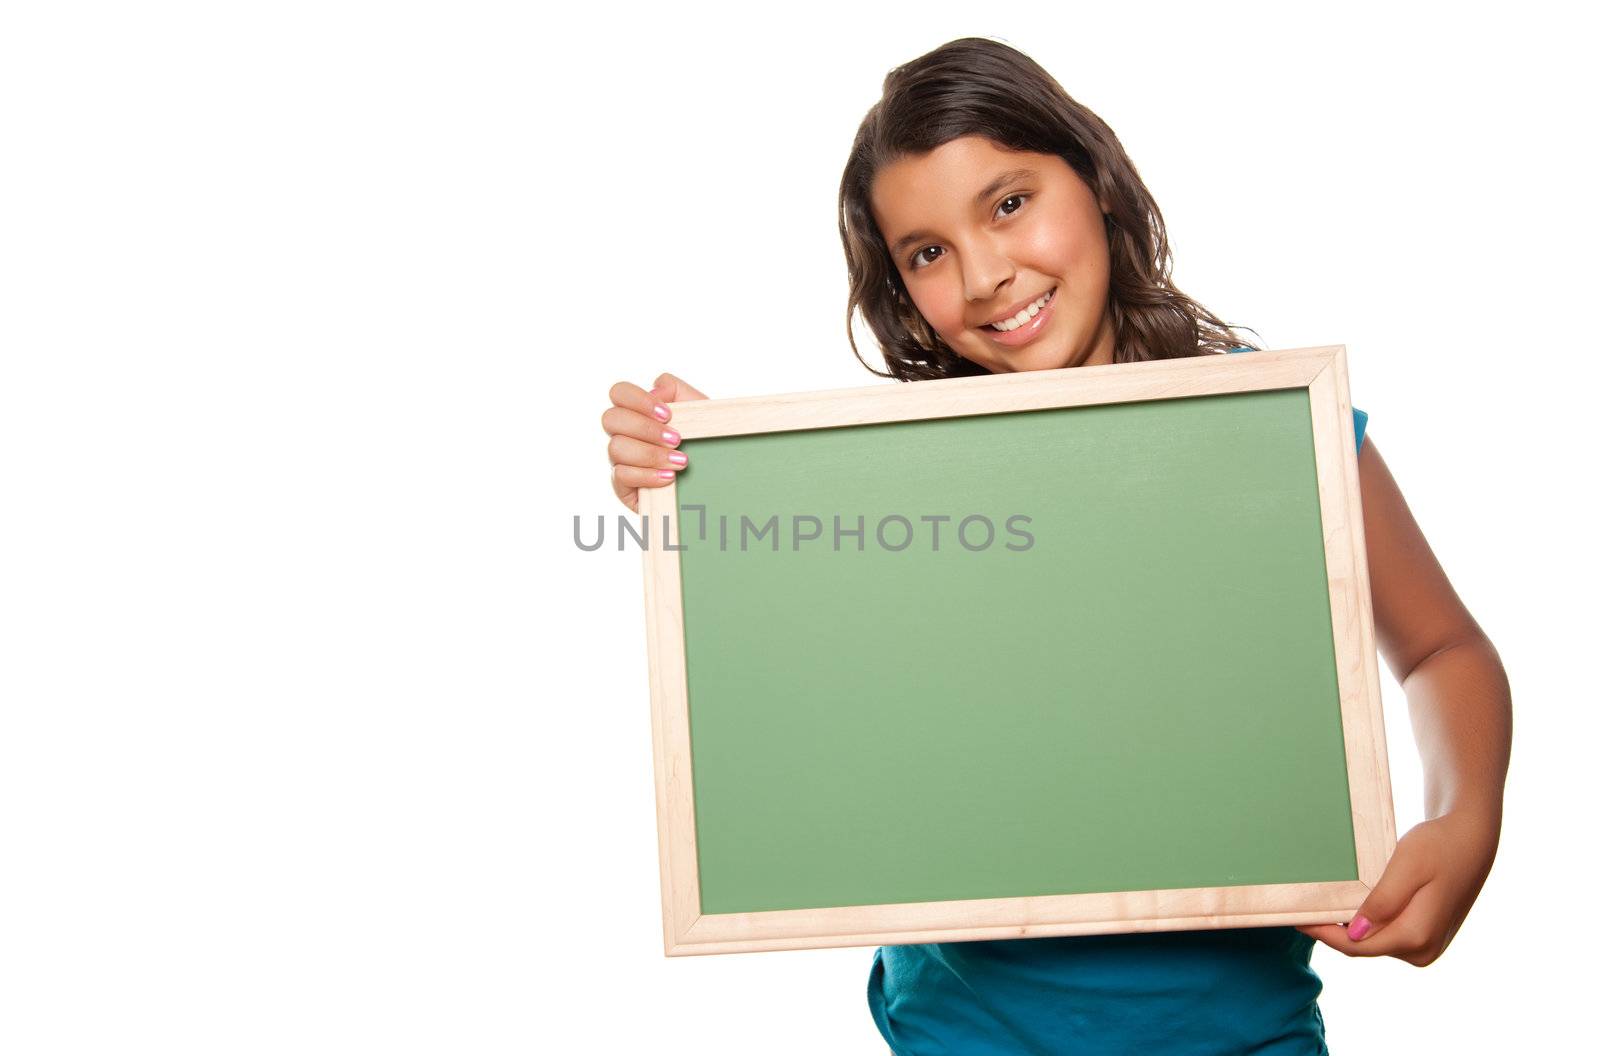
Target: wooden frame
{"points": [[1322, 372]]}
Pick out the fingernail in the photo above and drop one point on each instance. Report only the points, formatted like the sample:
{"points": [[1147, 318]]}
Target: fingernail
{"points": [[666, 474], [669, 436], [678, 458], [1359, 928], [662, 412]]}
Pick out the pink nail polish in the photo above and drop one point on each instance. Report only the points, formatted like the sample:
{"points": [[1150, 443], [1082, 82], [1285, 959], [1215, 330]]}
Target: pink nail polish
{"points": [[678, 459], [669, 436], [662, 412], [1358, 928], [666, 474]]}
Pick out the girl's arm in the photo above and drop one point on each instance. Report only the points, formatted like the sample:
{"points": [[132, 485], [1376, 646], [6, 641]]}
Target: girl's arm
{"points": [[1460, 704]]}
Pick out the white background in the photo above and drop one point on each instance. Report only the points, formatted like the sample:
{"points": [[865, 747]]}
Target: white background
{"points": [[319, 733]]}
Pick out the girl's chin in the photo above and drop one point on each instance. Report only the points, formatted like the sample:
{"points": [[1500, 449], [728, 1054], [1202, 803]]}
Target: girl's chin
{"points": [[1035, 356]]}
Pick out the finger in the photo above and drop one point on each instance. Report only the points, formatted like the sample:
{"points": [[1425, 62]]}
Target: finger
{"points": [[1334, 935], [1406, 936], [1400, 939], [627, 395], [629, 497], [626, 451], [618, 421], [639, 477], [1406, 874], [670, 388]]}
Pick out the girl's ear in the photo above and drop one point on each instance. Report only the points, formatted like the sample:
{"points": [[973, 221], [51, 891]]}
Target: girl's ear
{"points": [[1100, 194]]}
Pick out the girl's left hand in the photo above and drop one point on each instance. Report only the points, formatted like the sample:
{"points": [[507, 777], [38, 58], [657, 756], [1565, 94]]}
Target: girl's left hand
{"points": [[1422, 897]]}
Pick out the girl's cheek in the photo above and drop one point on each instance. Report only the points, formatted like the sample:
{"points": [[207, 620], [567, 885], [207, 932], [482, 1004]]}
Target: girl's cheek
{"points": [[940, 305], [1067, 236], [1055, 247]]}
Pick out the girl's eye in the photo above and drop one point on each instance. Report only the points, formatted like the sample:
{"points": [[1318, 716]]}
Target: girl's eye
{"points": [[917, 259], [1018, 198]]}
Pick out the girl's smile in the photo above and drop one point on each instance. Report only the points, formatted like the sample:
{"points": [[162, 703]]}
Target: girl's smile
{"points": [[1011, 330], [980, 233]]}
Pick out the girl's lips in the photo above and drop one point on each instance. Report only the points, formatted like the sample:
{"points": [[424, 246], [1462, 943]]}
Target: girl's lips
{"points": [[1029, 330]]}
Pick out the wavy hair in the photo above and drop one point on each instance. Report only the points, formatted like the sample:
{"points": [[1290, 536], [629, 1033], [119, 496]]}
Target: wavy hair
{"points": [[975, 86]]}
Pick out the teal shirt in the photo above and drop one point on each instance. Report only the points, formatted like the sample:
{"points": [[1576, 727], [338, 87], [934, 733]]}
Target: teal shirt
{"points": [[1223, 991]]}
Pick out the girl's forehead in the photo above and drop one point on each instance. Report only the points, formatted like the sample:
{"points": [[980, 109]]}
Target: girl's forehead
{"points": [[967, 155]]}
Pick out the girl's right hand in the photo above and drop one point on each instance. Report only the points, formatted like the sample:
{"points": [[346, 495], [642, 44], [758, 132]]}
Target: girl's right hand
{"points": [[643, 447]]}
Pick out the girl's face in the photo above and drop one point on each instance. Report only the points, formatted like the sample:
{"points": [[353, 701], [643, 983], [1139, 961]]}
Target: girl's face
{"points": [[979, 233]]}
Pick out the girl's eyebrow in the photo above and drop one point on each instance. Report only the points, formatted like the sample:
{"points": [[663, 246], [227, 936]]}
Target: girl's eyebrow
{"points": [[993, 185]]}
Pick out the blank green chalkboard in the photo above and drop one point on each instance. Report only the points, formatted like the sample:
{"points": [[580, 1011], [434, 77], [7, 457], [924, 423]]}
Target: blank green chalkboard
{"points": [[1076, 663]]}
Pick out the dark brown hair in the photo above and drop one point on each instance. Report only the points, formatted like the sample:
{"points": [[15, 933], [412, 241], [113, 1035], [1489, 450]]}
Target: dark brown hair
{"points": [[975, 86]]}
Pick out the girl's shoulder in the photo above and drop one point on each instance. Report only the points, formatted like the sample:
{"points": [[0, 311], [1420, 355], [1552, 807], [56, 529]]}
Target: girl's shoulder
{"points": [[1356, 413]]}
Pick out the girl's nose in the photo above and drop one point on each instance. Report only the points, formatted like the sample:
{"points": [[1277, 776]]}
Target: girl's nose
{"points": [[985, 270]]}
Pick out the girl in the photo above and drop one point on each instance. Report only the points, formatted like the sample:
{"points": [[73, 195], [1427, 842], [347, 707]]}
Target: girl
{"points": [[992, 224]]}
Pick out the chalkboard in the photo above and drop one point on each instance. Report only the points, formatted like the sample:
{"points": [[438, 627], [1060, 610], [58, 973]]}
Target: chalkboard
{"points": [[1068, 651]]}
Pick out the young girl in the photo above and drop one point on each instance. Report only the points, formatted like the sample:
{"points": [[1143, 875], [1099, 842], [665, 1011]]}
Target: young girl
{"points": [[992, 224]]}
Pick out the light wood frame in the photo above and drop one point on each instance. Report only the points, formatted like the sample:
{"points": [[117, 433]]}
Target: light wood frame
{"points": [[1319, 370]]}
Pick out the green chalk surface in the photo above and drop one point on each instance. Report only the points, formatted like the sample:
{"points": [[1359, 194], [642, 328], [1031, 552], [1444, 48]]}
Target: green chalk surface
{"points": [[1145, 697]]}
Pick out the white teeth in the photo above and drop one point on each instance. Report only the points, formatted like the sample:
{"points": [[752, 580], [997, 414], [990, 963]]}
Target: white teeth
{"points": [[1023, 316]]}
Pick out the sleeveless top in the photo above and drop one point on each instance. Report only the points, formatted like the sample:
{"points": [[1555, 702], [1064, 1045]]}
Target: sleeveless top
{"points": [[1223, 991]]}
